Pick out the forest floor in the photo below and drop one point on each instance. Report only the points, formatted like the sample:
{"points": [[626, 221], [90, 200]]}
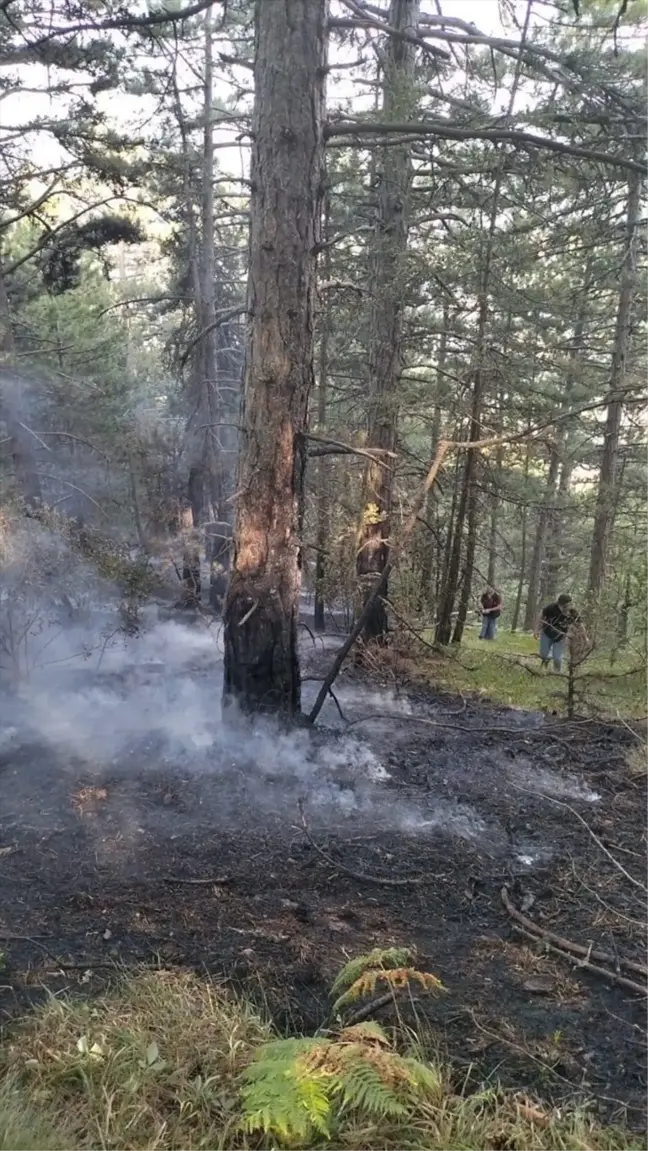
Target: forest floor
{"points": [[508, 671], [272, 858]]}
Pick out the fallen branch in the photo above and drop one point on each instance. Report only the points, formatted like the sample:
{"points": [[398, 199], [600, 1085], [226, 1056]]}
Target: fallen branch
{"points": [[598, 842], [348, 870], [369, 1008], [217, 881], [479, 731], [611, 976], [576, 949]]}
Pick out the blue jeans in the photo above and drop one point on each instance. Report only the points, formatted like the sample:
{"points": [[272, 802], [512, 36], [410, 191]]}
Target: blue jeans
{"points": [[552, 649], [488, 627]]}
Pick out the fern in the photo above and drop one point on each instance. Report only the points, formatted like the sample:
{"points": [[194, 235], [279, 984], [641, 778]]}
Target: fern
{"points": [[381, 957], [396, 978], [284, 1090], [299, 1088]]}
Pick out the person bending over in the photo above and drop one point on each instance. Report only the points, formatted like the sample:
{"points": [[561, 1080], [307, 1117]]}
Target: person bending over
{"points": [[491, 608], [553, 628]]}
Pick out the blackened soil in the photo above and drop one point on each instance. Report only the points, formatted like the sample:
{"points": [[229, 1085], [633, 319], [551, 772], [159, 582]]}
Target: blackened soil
{"points": [[161, 864]]}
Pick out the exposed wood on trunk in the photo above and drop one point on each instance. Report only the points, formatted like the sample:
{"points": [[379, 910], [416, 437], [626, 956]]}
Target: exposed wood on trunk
{"points": [[607, 489], [389, 280], [261, 660]]}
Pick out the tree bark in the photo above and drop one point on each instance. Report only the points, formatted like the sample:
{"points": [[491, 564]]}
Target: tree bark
{"points": [[261, 610], [523, 544], [430, 548], [323, 469], [386, 327], [21, 445], [535, 571], [607, 488]]}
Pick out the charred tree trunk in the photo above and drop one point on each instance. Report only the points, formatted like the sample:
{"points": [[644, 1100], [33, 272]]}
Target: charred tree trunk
{"points": [[605, 500], [386, 332], [261, 610]]}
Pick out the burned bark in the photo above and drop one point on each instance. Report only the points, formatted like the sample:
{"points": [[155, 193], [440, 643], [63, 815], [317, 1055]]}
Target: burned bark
{"points": [[386, 336], [261, 660]]}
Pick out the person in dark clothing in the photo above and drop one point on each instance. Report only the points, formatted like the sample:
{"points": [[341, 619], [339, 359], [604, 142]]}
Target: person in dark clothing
{"points": [[491, 608], [553, 628]]}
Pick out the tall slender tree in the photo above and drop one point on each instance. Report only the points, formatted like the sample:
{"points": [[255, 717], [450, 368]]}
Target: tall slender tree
{"points": [[261, 658], [389, 276]]}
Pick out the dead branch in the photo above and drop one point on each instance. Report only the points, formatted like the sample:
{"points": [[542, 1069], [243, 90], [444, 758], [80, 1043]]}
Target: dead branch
{"points": [[585, 964], [216, 880], [381, 583], [384, 880], [598, 842], [369, 1008], [566, 944], [338, 448]]}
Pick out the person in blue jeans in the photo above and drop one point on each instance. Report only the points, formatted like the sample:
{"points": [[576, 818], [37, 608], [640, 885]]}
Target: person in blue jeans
{"points": [[553, 627], [491, 608]]}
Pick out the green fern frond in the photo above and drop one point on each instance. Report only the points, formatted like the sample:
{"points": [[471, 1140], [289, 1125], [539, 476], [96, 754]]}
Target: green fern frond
{"points": [[284, 1094], [296, 1089], [380, 957], [363, 1089], [425, 1076]]}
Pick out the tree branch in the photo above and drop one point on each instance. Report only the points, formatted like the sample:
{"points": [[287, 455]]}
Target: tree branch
{"points": [[339, 128]]}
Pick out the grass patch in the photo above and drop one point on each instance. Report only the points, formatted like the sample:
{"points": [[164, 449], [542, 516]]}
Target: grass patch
{"points": [[161, 1062], [508, 671]]}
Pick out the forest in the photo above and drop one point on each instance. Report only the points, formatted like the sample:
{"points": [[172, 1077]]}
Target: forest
{"points": [[320, 320]]}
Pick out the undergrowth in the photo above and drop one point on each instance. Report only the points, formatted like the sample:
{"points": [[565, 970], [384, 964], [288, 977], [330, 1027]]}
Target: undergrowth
{"points": [[169, 1060], [507, 671]]}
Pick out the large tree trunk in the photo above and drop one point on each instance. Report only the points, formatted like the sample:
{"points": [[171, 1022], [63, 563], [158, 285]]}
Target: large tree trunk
{"points": [[386, 331], [261, 659], [606, 496]]}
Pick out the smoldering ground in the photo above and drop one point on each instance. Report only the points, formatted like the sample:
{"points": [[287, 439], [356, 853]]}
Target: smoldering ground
{"points": [[136, 825]]}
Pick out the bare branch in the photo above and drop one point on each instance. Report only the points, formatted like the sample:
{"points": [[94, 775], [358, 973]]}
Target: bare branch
{"points": [[335, 129]]}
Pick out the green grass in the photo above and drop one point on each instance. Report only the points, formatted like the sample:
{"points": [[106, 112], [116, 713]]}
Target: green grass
{"points": [[508, 671], [158, 1063]]}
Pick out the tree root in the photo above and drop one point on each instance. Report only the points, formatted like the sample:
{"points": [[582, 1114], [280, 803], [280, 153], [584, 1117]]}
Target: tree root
{"points": [[576, 953]]}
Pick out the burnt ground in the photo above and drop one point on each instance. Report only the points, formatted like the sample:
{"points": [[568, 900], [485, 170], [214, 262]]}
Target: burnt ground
{"points": [[181, 843]]}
